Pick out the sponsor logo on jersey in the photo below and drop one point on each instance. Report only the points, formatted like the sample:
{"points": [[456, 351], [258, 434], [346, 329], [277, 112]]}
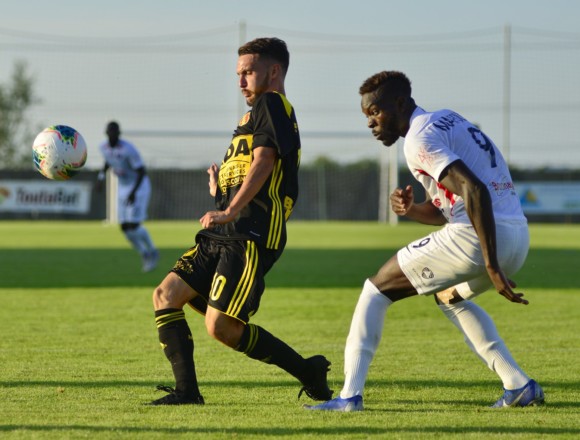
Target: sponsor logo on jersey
{"points": [[424, 156], [427, 273], [501, 187], [244, 119], [236, 163]]}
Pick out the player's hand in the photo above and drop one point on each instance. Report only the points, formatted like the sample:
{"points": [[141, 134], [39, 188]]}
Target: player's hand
{"points": [[402, 200], [213, 172], [504, 287], [213, 218]]}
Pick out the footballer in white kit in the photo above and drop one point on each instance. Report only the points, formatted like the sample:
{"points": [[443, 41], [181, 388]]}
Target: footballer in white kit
{"points": [[483, 239], [134, 192], [453, 254]]}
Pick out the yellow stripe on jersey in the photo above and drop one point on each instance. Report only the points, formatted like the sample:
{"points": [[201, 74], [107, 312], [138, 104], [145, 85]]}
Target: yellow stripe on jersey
{"points": [[287, 105], [246, 280], [191, 252], [277, 209]]}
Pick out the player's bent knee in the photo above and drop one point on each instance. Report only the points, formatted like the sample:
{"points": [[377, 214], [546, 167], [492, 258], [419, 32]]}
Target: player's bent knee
{"points": [[165, 298], [219, 333], [129, 226], [172, 293], [224, 329], [212, 330], [159, 298], [448, 296]]}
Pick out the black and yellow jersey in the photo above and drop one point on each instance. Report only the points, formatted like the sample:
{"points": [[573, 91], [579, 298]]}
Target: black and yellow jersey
{"points": [[271, 123]]}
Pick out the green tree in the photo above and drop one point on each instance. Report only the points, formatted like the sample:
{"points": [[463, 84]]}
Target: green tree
{"points": [[16, 97]]}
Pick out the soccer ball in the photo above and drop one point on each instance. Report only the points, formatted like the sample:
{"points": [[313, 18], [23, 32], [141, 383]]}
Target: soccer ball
{"points": [[59, 152]]}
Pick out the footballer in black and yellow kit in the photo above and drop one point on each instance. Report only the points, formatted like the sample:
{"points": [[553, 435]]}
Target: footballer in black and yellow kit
{"points": [[271, 123], [222, 276], [258, 236]]}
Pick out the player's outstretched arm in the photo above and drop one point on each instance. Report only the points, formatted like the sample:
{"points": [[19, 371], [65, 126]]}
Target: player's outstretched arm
{"points": [[100, 183], [460, 180]]}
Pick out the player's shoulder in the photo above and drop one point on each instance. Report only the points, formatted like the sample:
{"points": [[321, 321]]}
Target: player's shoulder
{"points": [[129, 146], [422, 132], [272, 99], [274, 103], [444, 119], [424, 117], [420, 120], [424, 123]]}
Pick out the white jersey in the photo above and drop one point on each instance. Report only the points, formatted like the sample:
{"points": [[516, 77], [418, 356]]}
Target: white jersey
{"points": [[437, 139], [123, 159]]}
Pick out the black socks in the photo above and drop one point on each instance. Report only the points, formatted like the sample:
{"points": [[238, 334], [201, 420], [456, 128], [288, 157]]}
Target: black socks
{"points": [[177, 343], [261, 345]]}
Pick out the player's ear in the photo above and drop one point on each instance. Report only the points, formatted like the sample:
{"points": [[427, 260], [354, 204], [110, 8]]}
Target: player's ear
{"points": [[401, 103], [275, 70]]}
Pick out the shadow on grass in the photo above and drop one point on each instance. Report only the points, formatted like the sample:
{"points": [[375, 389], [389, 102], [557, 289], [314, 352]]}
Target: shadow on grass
{"points": [[278, 432], [419, 385], [572, 386], [299, 268], [257, 384]]}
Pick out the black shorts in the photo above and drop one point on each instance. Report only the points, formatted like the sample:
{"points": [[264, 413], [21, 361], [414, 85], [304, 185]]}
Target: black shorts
{"points": [[228, 275]]}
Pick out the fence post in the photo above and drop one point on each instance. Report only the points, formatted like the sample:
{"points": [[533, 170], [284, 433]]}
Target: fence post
{"points": [[507, 67], [112, 195], [388, 181], [321, 180]]}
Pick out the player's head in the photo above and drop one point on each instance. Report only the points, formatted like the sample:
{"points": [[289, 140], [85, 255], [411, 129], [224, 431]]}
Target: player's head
{"points": [[113, 132], [387, 103], [262, 66]]}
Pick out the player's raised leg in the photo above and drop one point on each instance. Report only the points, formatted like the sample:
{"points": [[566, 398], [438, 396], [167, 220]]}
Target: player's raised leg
{"points": [[259, 344], [240, 283]]}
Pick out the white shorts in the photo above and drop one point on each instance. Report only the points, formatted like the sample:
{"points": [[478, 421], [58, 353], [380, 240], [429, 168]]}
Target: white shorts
{"points": [[452, 256], [137, 211]]}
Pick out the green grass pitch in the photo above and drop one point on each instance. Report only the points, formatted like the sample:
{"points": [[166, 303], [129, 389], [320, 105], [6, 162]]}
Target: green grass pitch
{"points": [[79, 356]]}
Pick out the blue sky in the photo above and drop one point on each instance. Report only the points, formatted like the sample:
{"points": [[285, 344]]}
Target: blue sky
{"points": [[107, 20], [110, 18]]}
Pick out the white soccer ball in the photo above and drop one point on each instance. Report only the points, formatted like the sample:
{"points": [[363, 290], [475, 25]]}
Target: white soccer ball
{"points": [[59, 152]]}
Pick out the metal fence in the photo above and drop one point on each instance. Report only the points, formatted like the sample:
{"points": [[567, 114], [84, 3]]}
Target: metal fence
{"points": [[176, 96], [177, 99], [327, 192]]}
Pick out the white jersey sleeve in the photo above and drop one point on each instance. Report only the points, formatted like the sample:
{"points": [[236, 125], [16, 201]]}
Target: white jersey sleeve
{"points": [[435, 140]]}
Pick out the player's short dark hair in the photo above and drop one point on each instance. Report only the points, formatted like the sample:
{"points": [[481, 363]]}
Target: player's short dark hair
{"points": [[389, 82], [272, 48], [113, 125]]}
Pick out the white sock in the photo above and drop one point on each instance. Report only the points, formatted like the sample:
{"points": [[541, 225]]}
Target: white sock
{"points": [[144, 237], [483, 339], [136, 241], [363, 339]]}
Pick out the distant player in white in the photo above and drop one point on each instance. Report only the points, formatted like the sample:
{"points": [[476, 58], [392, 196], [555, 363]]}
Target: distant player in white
{"points": [[485, 237], [134, 191]]}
